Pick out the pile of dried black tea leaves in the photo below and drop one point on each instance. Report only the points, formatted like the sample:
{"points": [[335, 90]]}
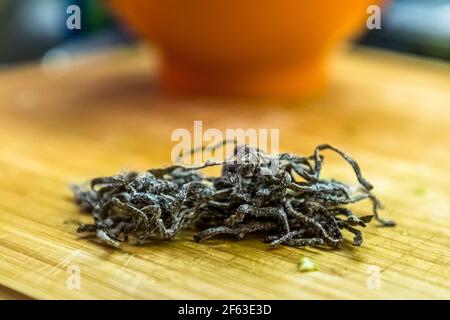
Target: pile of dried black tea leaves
{"points": [[281, 197]]}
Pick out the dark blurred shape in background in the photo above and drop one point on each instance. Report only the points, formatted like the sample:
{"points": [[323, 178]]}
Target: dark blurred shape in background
{"points": [[415, 26], [30, 29]]}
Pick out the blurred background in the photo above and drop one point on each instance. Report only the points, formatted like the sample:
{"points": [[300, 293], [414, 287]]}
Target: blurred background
{"points": [[31, 29]]}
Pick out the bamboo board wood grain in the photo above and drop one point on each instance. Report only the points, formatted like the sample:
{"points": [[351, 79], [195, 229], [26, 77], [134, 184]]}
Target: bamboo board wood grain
{"points": [[100, 114]]}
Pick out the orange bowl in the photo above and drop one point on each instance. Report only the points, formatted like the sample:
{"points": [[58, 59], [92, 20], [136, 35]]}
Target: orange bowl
{"points": [[272, 48]]}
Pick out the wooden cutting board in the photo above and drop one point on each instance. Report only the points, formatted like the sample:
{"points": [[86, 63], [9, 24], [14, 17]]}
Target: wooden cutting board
{"points": [[98, 114]]}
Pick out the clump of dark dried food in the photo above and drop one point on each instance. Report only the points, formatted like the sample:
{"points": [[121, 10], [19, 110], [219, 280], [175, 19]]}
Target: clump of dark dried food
{"points": [[283, 197]]}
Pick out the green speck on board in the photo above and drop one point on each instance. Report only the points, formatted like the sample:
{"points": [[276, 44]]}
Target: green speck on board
{"points": [[306, 265], [419, 191]]}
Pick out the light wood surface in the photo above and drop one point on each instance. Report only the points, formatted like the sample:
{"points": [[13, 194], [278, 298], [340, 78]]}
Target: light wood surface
{"points": [[100, 114]]}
